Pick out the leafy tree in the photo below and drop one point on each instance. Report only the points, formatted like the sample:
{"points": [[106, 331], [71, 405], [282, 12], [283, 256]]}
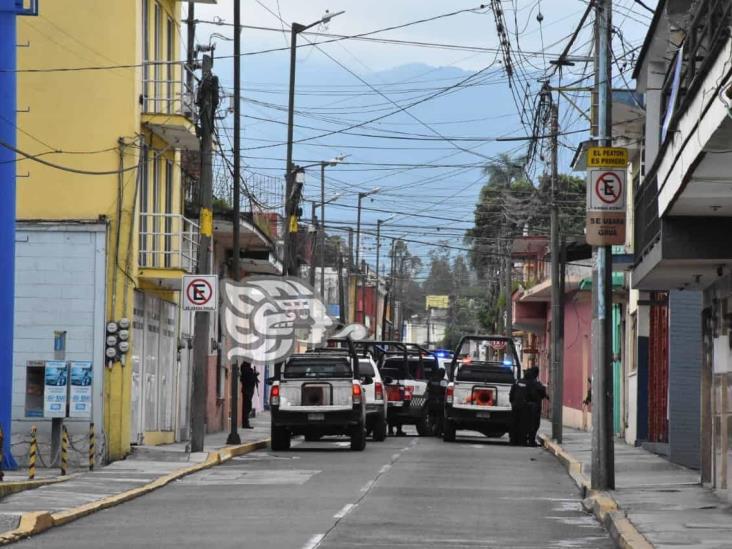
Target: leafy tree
{"points": [[440, 280]]}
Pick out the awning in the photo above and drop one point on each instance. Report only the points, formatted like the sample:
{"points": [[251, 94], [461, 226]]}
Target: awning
{"points": [[618, 282]]}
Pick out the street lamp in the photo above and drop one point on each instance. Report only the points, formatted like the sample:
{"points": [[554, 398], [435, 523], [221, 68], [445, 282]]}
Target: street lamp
{"points": [[361, 196], [297, 28], [337, 160], [379, 222]]}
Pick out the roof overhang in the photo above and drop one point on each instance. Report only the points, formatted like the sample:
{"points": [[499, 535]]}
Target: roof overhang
{"points": [[153, 278], [175, 129], [543, 290]]}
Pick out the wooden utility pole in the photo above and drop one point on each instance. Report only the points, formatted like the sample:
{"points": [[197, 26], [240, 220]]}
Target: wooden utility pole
{"points": [[603, 450], [208, 97], [557, 368]]}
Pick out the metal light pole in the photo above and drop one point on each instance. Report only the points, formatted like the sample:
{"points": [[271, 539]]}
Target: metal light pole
{"points": [[234, 437], [362, 276], [603, 451], [9, 9], [337, 160], [379, 222], [289, 260]]}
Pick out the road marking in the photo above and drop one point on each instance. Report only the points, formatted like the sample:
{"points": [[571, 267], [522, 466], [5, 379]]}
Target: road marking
{"points": [[384, 469], [343, 512], [395, 457], [313, 542], [342, 444], [366, 487]]}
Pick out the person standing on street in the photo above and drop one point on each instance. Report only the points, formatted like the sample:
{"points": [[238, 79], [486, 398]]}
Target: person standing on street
{"points": [[249, 383], [536, 393]]}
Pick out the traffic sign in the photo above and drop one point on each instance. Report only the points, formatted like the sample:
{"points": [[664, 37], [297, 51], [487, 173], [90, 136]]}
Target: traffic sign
{"points": [[605, 228], [199, 292], [607, 157], [606, 190]]}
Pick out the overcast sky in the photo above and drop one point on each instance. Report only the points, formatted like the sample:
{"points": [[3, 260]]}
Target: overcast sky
{"points": [[332, 99]]}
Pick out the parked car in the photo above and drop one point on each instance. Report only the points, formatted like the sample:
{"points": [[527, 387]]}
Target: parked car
{"points": [[480, 378], [317, 394]]}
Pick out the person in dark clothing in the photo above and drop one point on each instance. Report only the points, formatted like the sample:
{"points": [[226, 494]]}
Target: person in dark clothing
{"points": [[536, 394], [526, 396], [249, 383], [436, 400]]}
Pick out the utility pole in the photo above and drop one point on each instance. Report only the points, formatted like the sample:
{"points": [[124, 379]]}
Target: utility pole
{"points": [[313, 220], [508, 285], [341, 289], [190, 48], [234, 437], [322, 229], [557, 368], [603, 451], [208, 97]]}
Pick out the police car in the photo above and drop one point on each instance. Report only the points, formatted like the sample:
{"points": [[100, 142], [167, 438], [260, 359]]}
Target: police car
{"points": [[316, 394], [407, 370], [481, 374]]}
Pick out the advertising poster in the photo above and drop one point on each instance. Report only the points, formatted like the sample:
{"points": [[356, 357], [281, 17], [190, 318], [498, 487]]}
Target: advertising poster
{"points": [[80, 394], [54, 393]]}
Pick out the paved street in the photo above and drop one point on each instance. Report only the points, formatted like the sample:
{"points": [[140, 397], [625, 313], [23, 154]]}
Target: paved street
{"points": [[406, 492]]}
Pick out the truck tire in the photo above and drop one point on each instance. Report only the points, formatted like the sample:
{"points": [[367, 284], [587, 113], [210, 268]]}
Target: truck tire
{"points": [[280, 439], [379, 431], [358, 438], [423, 426], [448, 431]]}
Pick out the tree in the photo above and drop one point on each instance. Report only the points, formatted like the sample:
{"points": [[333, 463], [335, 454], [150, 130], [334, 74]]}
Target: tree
{"points": [[440, 280], [406, 269]]}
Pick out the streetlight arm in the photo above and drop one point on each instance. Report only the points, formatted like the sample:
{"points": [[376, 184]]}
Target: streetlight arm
{"points": [[298, 28]]}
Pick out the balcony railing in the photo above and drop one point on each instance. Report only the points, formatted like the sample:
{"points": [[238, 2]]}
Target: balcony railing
{"points": [[706, 35], [168, 241], [165, 90], [647, 223]]}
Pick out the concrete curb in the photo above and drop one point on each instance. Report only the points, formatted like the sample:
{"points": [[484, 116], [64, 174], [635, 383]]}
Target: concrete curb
{"points": [[15, 486], [33, 523], [601, 504]]}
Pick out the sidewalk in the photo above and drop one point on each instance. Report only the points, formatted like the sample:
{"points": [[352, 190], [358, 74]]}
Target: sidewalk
{"points": [[148, 468], [665, 502]]}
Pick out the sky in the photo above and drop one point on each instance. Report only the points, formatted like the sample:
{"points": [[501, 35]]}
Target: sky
{"points": [[426, 117]]}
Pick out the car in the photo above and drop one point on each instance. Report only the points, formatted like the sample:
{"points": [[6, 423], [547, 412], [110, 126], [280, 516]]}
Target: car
{"points": [[481, 374], [407, 370], [316, 394]]}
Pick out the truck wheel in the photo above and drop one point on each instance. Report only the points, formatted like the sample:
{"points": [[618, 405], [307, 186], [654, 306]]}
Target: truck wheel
{"points": [[379, 431], [448, 431], [423, 426], [358, 438], [280, 439]]}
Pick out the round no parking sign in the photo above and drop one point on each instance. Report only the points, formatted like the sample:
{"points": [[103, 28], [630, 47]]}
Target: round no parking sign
{"points": [[199, 292]]}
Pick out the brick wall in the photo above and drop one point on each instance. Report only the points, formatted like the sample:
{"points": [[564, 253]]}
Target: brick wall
{"points": [[685, 360]]}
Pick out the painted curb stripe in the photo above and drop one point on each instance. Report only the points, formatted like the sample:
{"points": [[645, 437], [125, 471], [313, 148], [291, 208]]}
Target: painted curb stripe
{"points": [[33, 523], [601, 504]]}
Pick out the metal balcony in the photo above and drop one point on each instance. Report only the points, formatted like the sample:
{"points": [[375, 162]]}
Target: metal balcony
{"points": [[168, 246], [168, 104]]}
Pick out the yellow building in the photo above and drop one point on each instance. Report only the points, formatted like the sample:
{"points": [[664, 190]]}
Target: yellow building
{"points": [[102, 99]]}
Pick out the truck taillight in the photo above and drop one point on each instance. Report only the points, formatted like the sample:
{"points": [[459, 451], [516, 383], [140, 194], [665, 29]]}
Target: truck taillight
{"points": [[408, 390], [274, 396], [357, 393], [378, 391], [449, 393]]}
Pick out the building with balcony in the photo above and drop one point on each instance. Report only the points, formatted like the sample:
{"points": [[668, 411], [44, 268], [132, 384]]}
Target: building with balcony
{"points": [[104, 232], [682, 211]]}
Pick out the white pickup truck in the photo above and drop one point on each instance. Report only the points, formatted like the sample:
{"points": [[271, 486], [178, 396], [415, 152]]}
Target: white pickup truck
{"points": [[480, 378], [318, 394]]}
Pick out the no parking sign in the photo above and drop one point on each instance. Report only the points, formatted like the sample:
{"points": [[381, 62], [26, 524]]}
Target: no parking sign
{"points": [[606, 192], [199, 292]]}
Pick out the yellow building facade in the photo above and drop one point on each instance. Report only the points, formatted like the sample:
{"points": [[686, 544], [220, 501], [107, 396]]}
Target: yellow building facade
{"points": [[103, 100]]}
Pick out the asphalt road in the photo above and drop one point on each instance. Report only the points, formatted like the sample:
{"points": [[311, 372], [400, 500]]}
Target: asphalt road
{"points": [[403, 493]]}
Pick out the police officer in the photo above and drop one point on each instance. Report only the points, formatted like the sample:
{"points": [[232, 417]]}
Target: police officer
{"points": [[249, 383], [526, 396], [518, 396], [536, 393], [436, 400]]}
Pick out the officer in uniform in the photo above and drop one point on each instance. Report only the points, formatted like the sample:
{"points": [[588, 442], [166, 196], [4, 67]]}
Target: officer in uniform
{"points": [[526, 396]]}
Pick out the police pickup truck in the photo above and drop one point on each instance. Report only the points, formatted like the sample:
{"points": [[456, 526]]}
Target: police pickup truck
{"points": [[316, 394], [407, 370], [481, 374]]}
